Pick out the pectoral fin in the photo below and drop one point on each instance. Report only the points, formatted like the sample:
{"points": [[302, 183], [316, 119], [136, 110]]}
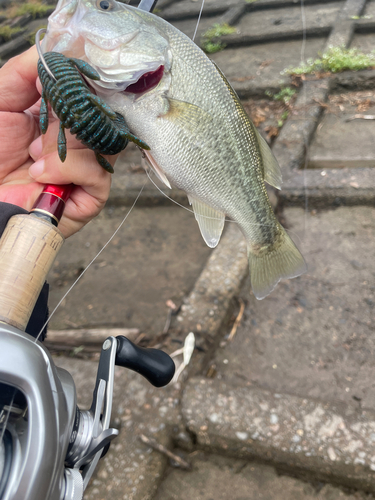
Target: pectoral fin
{"points": [[210, 221], [156, 168], [186, 115]]}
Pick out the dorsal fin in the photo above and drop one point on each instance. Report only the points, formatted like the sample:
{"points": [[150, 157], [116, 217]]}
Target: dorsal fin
{"points": [[271, 168]]}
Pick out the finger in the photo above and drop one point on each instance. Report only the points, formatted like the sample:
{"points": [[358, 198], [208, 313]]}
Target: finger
{"points": [[47, 143], [80, 208], [18, 130], [79, 168], [18, 82]]}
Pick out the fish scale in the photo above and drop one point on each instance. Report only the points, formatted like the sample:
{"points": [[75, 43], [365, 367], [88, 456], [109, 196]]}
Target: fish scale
{"points": [[199, 135]]}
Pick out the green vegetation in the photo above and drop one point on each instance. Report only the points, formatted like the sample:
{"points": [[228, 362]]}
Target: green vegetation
{"points": [[6, 32], [334, 60], [250, 1], [284, 95], [282, 119], [217, 30], [36, 9], [360, 17], [31, 36]]}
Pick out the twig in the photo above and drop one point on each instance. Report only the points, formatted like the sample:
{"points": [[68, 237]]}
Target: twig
{"points": [[360, 117], [88, 336], [162, 449], [172, 309], [237, 320]]}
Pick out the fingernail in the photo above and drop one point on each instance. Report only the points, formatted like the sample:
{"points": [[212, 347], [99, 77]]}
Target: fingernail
{"points": [[35, 148], [36, 169]]}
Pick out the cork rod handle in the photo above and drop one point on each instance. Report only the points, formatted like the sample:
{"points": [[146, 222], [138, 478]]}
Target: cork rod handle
{"points": [[28, 248]]}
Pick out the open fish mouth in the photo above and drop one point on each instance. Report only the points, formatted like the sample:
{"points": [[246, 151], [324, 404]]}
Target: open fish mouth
{"points": [[146, 82]]}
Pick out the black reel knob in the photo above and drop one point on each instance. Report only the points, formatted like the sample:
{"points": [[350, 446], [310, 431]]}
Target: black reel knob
{"points": [[155, 365]]}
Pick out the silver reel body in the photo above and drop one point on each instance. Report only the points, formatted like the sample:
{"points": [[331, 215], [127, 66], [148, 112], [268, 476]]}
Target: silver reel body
{"points": [[49, 448]]}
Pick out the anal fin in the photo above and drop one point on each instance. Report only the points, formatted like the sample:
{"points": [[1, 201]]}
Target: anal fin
{"points": [[210, 221]]}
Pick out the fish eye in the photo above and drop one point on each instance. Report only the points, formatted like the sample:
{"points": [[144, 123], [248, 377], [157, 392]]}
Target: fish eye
{"points": [[104, 4]]}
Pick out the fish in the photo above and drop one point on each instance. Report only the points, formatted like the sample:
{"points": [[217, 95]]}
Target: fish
{"points": [[180, 103]]}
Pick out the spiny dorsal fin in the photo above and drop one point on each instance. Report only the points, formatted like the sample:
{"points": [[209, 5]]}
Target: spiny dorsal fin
{"points": [[210, 221]]}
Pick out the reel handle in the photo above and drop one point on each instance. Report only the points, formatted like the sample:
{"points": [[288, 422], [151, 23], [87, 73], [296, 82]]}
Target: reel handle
{"points": [[155, 365]]}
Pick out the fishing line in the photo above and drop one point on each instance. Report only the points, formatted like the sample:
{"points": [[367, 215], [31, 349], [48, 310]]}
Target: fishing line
{"points": [[199, 18], [303, 50], [179, 204], [92, 261]]}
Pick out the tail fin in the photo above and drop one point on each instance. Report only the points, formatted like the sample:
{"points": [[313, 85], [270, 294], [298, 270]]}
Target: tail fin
{"points": [[268, 267]]}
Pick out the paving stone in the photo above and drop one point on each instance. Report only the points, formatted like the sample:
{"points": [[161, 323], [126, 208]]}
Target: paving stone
{"points": [[191, 9], [313, 336], [288, 20], [157, 255], [188, 26], [218, 477], [325, 440], [343, 29], [256, 69], [207, 305], [364, 42], [335, 143]]}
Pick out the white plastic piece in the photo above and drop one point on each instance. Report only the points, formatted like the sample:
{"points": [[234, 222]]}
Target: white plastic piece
{"points": [[189, 347]]}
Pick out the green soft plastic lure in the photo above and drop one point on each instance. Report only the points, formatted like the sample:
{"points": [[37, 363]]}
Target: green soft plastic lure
{"points": [[87, 116]]}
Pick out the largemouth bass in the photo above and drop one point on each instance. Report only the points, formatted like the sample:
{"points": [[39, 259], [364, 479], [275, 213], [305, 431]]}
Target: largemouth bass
{"points": [[180, 103]]}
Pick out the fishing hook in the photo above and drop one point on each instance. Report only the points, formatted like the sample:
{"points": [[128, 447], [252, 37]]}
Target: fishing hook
{"points": [[40, 53]]}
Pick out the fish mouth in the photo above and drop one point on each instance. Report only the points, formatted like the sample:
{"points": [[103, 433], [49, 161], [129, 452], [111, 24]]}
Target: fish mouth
{"points": [[146, 82]]}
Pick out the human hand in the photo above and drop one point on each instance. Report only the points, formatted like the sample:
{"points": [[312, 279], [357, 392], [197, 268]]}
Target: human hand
{"points": [[29, 160]]}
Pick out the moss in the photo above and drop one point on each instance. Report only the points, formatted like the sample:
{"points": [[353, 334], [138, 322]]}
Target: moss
{"points": [[36, 9], [6, 32], [215, 31], [334, 60], [282, 119], [284, 95]]}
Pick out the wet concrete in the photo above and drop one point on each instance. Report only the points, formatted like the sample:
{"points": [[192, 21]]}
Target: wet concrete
{"points": [[157, 255], [314, 335], [347, 122], [255, 69], [220, 478]]}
